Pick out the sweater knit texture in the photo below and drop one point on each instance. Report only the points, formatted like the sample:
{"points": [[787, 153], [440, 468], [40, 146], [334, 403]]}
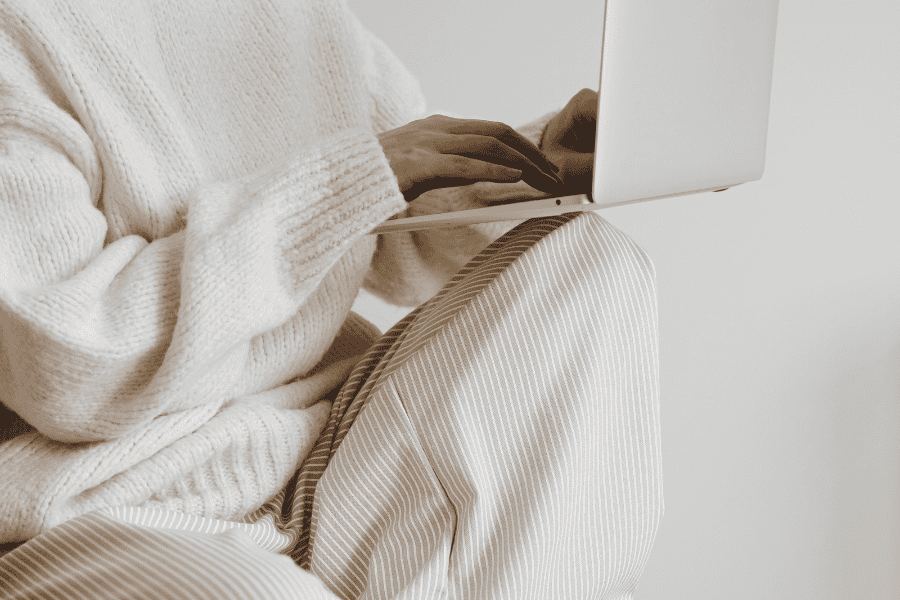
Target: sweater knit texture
{"points": [[186, 195]]}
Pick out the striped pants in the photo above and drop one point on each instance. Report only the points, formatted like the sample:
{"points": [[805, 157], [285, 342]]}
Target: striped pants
{"points": [[504, 444]]}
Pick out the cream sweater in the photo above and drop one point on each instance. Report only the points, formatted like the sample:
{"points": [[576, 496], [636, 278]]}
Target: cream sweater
{"points": [[185, 194]]}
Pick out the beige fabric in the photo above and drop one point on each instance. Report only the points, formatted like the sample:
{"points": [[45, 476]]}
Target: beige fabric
{"points": [[507, 445], [500, 442]]}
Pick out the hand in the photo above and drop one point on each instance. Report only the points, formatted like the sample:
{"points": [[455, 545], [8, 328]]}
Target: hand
{"points": [[569, 141], [440, 151]]}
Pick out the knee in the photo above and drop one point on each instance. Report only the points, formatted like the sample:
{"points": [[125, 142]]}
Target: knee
{"points": [[571, 278], [581, 254]]}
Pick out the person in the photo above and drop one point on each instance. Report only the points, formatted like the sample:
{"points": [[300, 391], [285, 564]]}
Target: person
{"points": [[191, 407]]}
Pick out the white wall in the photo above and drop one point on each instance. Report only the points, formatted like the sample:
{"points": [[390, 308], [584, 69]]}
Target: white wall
{"points": [[779, 300]]}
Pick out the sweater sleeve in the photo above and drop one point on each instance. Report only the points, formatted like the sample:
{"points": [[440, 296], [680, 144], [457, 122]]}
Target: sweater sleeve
{"points": [[98, 338], [410, 267]]}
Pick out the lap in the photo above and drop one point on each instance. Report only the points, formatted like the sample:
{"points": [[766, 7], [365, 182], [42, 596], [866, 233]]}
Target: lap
{"points": [[501, 440], [508, 444]]}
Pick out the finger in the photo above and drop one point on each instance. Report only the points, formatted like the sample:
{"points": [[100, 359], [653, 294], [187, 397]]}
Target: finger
{"points": [[577, 162], [470, 170], [587, 96], [508, 136], [575, 131], [559, 125], [490, 149], [577, 172], [575, 126], [451, 170], [583, 104]]}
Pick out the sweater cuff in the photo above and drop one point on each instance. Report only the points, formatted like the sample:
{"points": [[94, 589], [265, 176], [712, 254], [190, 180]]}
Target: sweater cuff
{"points": [[329, 198]]}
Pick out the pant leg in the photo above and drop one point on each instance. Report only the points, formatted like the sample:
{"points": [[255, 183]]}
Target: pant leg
{"points": [[154, 555], [506, 446], [506, 443]]}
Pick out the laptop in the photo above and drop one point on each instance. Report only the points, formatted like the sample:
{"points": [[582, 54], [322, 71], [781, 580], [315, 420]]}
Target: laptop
{"points": [[682, 108]]}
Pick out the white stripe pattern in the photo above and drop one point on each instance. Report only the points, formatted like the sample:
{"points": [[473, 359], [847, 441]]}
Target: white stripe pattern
{"points": [[97, 556], [504, 444], [510, 446]]}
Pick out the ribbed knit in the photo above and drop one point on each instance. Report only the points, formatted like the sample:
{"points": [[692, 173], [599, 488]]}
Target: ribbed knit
{"points": [[186, 190]]}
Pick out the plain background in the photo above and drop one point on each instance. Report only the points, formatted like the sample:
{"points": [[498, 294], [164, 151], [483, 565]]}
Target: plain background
{"points": [[779, 300]]}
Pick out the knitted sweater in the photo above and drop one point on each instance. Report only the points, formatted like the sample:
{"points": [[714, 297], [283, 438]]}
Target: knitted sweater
{"points": [[186, 191]]}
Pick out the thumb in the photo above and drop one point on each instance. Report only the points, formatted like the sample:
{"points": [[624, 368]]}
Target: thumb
{"points": [[577, 170], [575, 127]]}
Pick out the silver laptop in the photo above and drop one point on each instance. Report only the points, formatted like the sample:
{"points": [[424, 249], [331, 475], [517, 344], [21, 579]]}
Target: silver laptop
{"points": [[683, 107]]}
